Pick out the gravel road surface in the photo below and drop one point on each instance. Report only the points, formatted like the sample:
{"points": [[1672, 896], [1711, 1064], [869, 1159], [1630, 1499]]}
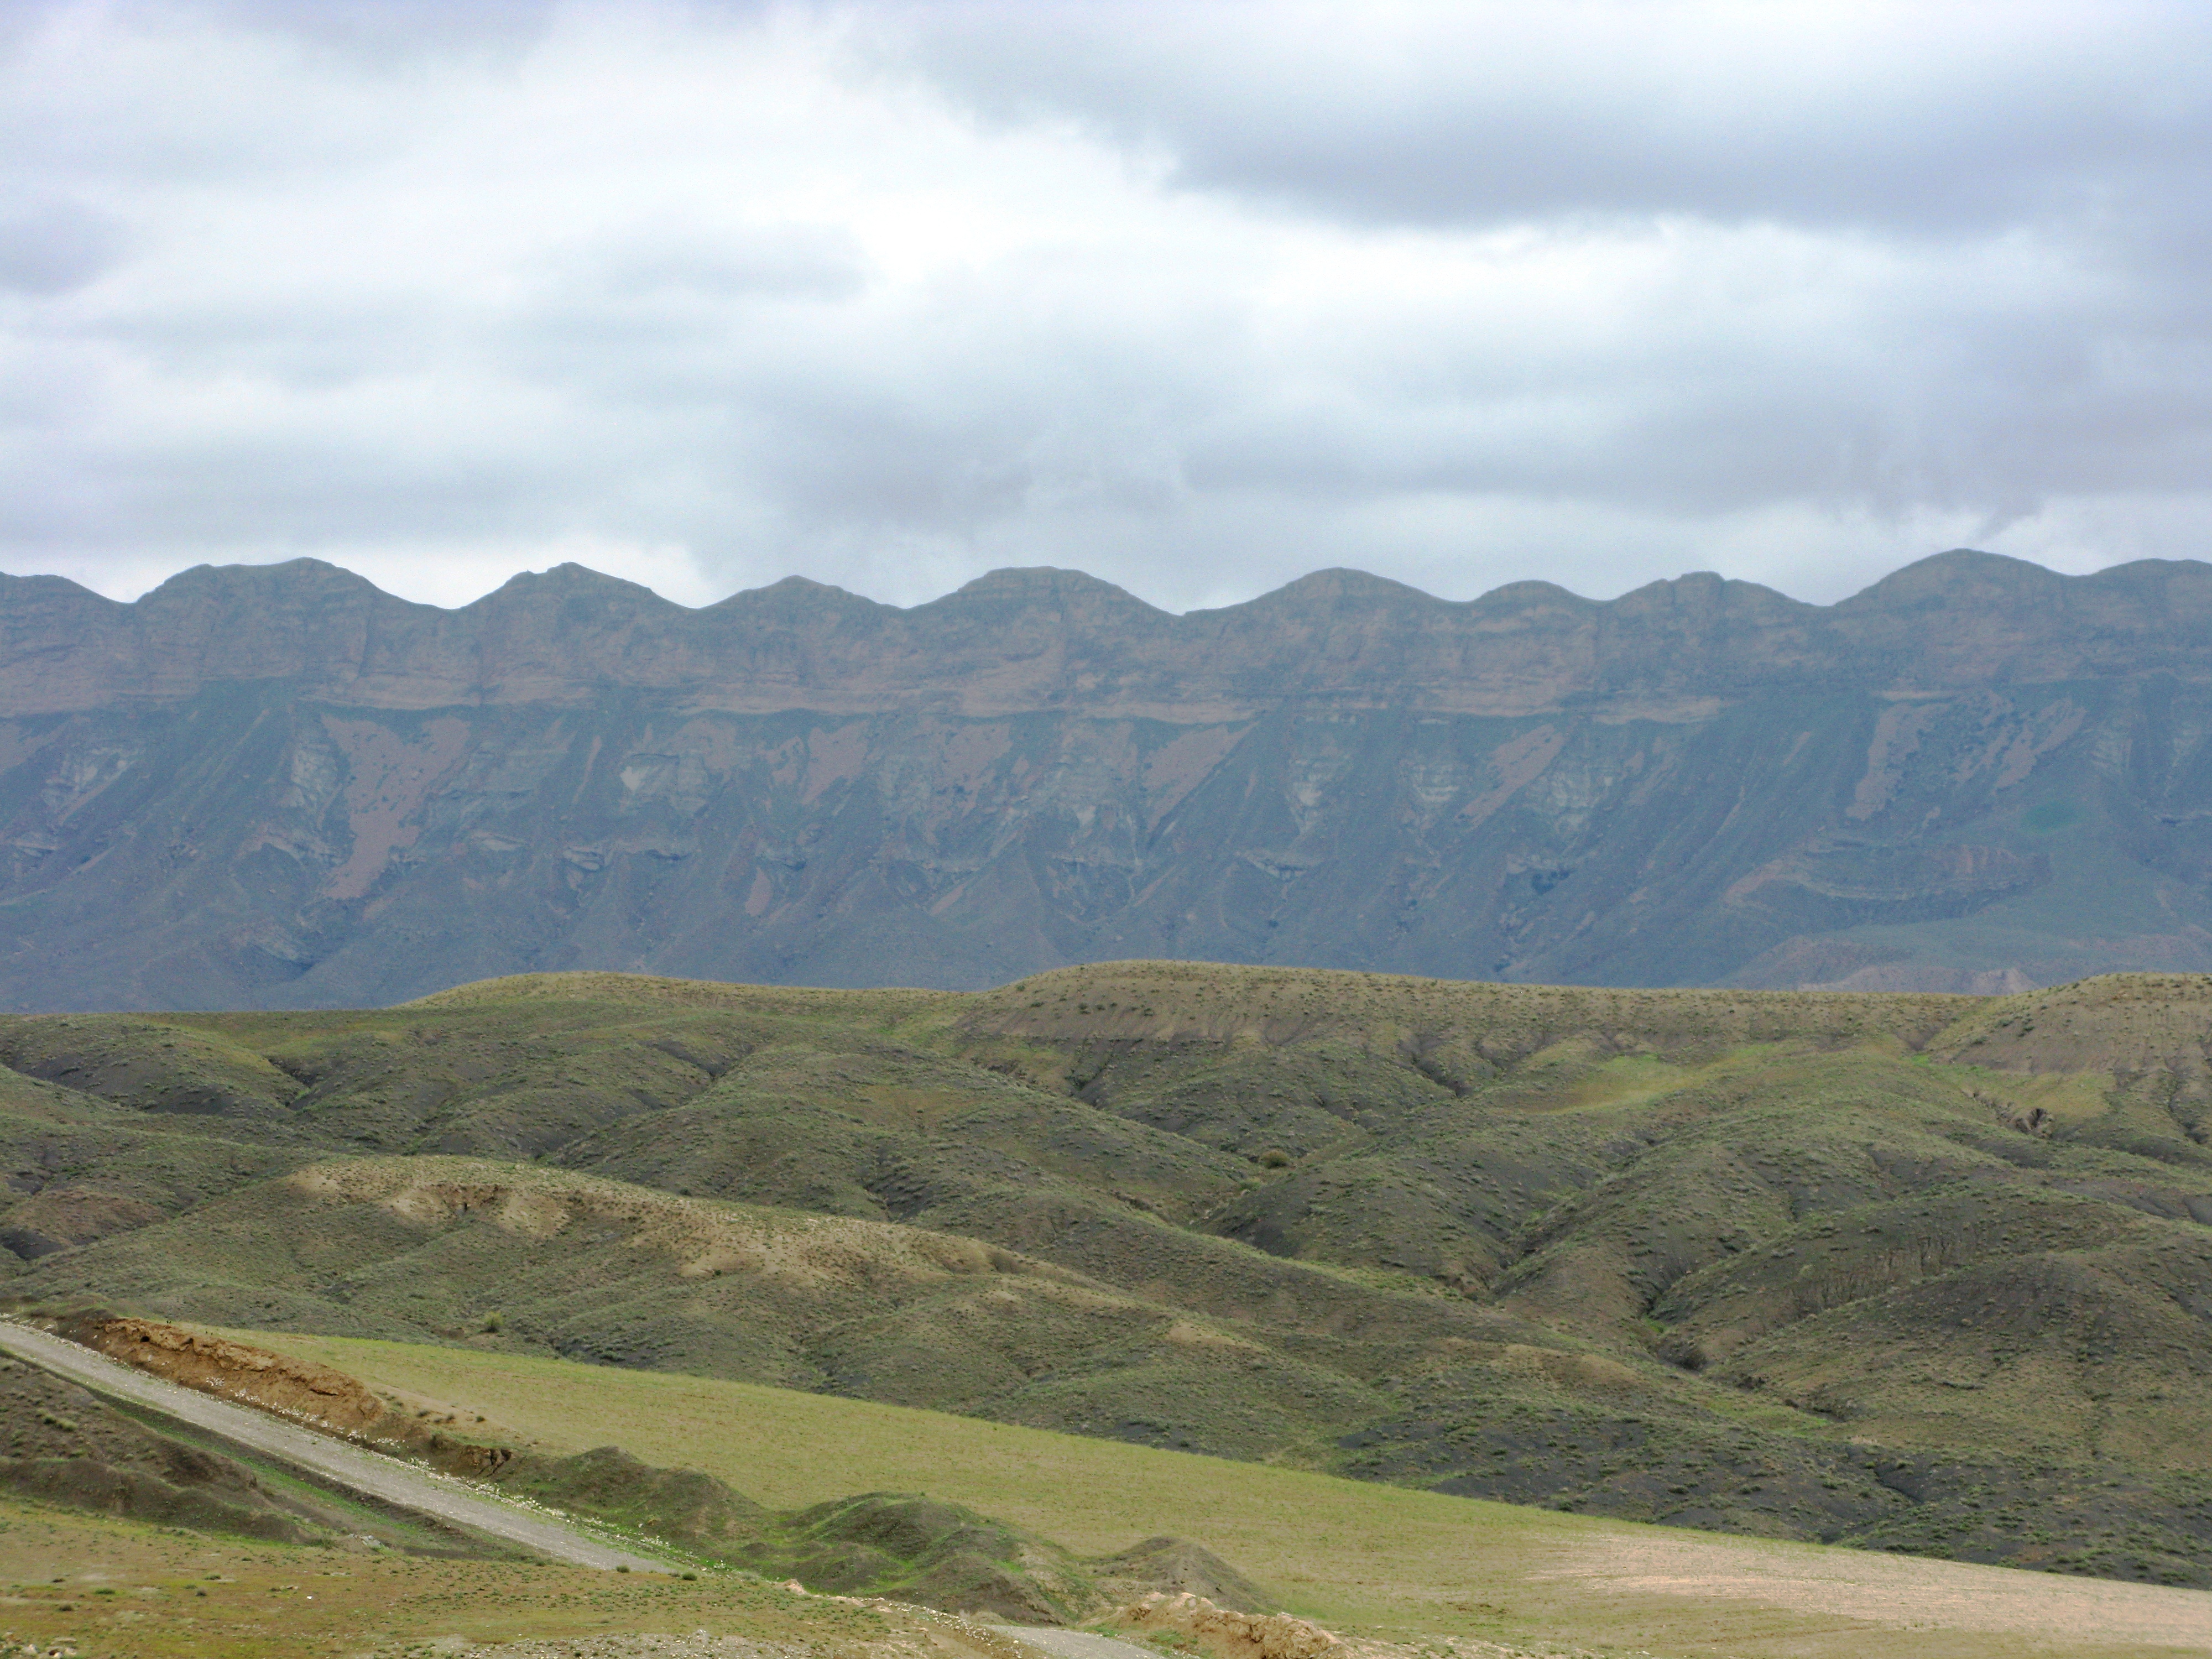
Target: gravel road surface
{"points": [[1078, 1644], [352, 1467]]}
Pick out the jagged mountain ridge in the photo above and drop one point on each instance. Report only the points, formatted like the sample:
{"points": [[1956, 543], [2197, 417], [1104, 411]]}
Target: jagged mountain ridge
{"points": [[270, 786], [1033, 640]]}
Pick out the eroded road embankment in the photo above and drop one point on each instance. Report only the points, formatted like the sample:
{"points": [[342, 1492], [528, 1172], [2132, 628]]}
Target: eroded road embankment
{"points": [[358, 1470]]}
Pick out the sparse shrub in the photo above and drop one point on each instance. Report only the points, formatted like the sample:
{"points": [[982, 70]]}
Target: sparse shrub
{"points": [[492, 1324]]}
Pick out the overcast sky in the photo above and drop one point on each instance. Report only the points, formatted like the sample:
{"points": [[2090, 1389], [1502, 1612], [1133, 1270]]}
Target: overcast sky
{"points": [[1196, 297]]}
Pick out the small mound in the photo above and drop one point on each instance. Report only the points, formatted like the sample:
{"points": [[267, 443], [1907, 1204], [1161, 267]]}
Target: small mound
{"points": [[63, 1446], [909, 1548], [1177, 1567], [683, 1506], [899, 1546]]}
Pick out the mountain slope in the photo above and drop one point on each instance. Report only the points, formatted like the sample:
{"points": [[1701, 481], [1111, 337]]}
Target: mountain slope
{"points": [[277, 786]]}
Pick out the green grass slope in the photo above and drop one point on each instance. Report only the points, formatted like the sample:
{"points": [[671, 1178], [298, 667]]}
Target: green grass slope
{"points": [[1359, 1557]]}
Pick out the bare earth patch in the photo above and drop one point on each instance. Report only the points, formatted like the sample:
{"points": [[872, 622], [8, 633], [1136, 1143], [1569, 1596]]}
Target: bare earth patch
{"points": [[1900, 1592]]}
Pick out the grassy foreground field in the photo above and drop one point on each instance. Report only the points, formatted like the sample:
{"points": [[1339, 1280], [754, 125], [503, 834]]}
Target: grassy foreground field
{"points": [[72, 1583], [1366, 1558]]}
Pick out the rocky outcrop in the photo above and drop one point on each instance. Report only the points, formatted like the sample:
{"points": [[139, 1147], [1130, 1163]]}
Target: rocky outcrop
{"points": [[298, 1388], [314, 1395], [1227, 1634]]}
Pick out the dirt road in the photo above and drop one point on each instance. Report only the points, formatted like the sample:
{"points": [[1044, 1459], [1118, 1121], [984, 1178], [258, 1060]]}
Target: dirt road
{"points": [[1079, 1644], [352, 1467]]}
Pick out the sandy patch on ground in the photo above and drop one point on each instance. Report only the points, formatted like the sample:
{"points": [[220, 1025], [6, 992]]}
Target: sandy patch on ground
{"points": [[1899, 1591]]}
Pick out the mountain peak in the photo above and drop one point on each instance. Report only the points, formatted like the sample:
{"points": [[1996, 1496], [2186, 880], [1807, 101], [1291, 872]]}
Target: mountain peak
{"points": [[794, 598], [1332, 588], [571, 581], [19, 589], [303, 576], [1031, 578], [1960, 570], [1043, 587]]}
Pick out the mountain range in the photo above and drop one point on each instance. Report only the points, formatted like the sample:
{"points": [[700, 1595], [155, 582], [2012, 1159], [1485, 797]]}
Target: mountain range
{"points": [[278, 786]]}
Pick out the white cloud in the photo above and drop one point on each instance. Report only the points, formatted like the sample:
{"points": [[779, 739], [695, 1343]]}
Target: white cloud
{"points": [[1197, 298]]}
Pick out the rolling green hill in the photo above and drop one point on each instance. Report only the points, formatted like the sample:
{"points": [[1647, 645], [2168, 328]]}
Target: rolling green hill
{"points": [[1912, 1271]]}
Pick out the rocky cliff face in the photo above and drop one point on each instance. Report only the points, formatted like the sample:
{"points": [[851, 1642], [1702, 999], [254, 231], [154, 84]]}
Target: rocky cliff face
{"points": [[278, 785]]}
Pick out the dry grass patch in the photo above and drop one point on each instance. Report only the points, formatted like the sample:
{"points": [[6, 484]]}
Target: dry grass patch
{"points": [[109, 1587]]}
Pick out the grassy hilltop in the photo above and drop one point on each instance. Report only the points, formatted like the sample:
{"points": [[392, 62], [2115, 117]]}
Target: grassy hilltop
{"points": [[1916, 1272]]}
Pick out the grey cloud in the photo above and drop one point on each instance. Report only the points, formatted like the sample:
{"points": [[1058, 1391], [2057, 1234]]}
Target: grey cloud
{"points": [[490, 298], [378, 34], [311, 491], [1954, 141], [1930, 120], [56, 246], [665, 261]]}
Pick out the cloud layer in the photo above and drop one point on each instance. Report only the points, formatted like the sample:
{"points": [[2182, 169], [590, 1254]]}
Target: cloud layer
{"points": [[1195, 297]]}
